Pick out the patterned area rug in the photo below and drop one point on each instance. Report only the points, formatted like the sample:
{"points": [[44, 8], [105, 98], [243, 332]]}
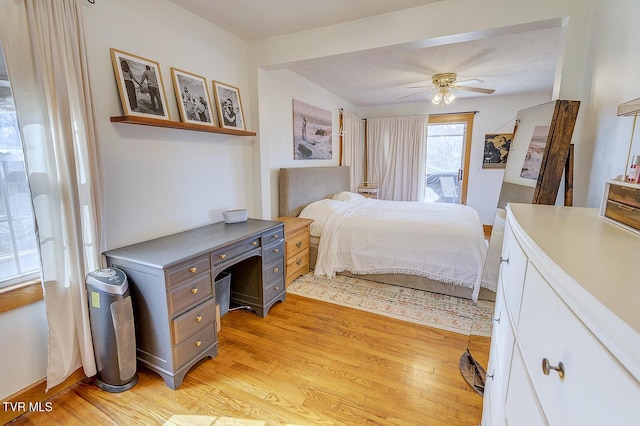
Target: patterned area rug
{"points": [[417, 306]]}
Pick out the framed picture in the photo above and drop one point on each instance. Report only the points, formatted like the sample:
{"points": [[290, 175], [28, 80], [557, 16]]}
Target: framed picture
{"points": [[140, 85], [496, 150], [193, 98], [535, 153], [229, 106], [311, 132]]}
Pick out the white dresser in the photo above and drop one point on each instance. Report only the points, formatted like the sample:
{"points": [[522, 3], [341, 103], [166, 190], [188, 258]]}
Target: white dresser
{"points": [[565, 347]]}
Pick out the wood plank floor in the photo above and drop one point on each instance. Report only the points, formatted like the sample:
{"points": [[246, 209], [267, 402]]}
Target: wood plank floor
{"points": [[306, 363]]}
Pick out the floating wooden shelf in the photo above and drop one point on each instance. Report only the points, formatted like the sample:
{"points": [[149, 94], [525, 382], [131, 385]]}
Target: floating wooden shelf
{"points": [[144, 121]]}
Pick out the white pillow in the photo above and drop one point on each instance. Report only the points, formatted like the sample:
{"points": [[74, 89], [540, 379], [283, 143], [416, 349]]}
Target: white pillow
{"points": [[347, 196], [319, 211]]}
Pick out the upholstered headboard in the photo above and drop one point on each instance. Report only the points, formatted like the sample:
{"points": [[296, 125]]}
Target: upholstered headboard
{"points": [[303, 185]]}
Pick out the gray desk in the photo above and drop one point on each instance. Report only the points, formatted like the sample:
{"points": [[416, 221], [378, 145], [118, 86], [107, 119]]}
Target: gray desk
{"points": [[172, 288]]}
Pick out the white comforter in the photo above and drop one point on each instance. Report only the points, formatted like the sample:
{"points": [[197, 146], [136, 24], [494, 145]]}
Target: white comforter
{"points": [[443, 242]]}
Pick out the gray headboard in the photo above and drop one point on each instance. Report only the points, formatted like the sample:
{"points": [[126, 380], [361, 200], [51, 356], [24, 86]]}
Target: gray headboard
{"points": [[300, 186]]}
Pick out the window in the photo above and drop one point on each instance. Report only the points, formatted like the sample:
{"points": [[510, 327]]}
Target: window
{"points": [[19, 259], [448, 151]]}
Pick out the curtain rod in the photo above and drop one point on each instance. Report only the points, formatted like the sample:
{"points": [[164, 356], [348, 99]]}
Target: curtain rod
{"points": [[456, 113]]}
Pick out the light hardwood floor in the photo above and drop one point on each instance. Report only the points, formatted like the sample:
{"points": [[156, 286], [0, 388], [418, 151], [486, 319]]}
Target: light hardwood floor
{"points": [[306, 363]]}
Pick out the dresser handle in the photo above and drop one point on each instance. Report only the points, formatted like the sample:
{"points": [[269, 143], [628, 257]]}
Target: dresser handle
{"points": [[276, 236], [276, 270], [199, 318], [193, 269], [276, 288], [628, 188], [547, 367], [275, 250], [299, 262], [625, 207], [496, 320], [194, 290], [198, 343], [299, 244], [254, 243], [490, 376], [503, 260], [223, 256]]}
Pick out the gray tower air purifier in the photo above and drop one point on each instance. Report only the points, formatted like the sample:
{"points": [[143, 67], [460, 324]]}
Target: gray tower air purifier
{"points": [[113, 329]]}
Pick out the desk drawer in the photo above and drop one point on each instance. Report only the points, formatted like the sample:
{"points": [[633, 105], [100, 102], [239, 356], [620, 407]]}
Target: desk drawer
{"points": [[190, 294], [623, 194], [273, 252], [273, 289], [187, 270], [223, 255], [623, 213], [194, 320], [194, 345], [274, 271], [273, 235]]}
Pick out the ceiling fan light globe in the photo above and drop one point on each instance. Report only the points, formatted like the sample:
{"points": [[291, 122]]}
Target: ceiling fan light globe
{"points": [[437, 98], [449, 97]]}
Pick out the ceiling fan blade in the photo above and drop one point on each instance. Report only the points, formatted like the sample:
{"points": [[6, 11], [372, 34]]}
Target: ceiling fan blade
{"points": [[469, 81], [430, 86], [474, 89], [413, 94]]}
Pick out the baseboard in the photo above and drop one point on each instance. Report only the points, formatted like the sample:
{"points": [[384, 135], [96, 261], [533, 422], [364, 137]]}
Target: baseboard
{"points": [[34, 396]]}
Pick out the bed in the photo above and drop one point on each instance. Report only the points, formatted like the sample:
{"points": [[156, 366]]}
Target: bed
{"points": [[383, 240]]}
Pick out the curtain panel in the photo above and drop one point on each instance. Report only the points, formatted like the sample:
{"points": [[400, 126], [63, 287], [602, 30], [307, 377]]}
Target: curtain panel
{"points": [[44, 47], [353, 147], [396, 149]]}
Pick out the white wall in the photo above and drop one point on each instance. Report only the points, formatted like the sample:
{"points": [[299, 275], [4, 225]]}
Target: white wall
{"points": [[160, 181], [614, 63], [496, 114], [278, 89]]}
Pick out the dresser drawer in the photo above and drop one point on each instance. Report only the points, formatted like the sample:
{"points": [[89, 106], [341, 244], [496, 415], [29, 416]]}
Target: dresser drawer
{"points": [[190, 294], [550, 330], [625, 194], [297, 265], [273, 252], [522, 407], [502, 338], [187, 270], [297, 242], [273, 235], [274, 271], [623, 213], [194, 320], [512, 269], [194, 345], [223, 255]]}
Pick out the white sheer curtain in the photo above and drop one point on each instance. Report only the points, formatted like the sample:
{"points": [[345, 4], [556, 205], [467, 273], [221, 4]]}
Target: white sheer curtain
{"points": [[353, 147], [43, 41], [396, 149]]}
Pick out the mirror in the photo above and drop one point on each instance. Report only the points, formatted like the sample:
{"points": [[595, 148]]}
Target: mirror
{"points": [[537, 160]]}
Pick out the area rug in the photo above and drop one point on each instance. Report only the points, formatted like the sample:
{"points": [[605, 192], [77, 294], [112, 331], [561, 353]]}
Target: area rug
{"points": [[417, 306]]}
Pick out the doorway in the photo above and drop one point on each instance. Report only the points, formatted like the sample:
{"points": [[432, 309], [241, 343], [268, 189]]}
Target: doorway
{"points": [[448, 152]]}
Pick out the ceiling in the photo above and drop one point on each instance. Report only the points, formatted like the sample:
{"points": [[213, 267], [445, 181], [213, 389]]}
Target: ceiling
{"points": [[515, 63]]}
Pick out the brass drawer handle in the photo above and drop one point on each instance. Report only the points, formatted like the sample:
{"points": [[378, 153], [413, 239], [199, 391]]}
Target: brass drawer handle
{"points": [[298, 262], [254, 243], [299, 244], [276, 288], [194, 290], [198, 318], [503, 260], [275, 250], [198, 343], [223, 256], [625, 207], [276, 270], [276, 236], [193, 269], [547, 367], [628, 188]]}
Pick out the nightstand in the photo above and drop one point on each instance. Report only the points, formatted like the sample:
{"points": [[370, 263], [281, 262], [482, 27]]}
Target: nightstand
{"points": [[296, 235], [368, 189]]}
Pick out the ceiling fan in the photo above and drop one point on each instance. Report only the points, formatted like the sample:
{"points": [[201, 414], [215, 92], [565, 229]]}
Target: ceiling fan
{"points": [[444, 83]]}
